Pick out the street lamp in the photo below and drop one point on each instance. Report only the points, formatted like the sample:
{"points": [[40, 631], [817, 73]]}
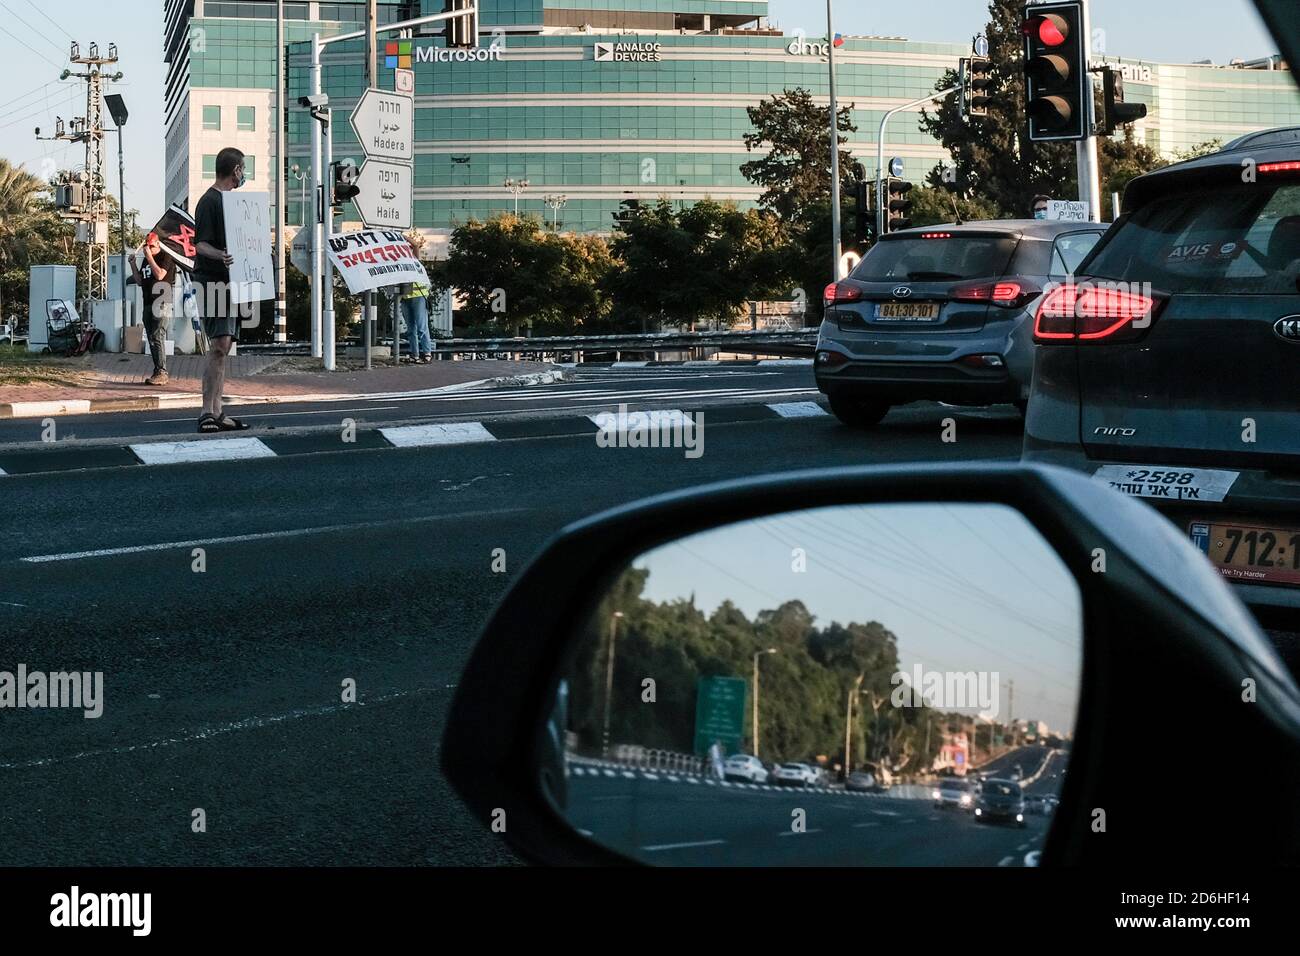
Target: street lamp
{"points": [[556, 202], [609, 681], [517, 188], [300, 174], [117, 108], [838, 236], [770, 650]]}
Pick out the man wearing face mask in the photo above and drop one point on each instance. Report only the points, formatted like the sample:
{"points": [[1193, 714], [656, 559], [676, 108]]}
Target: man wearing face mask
{"points": [[212, 272], [1040, 206]]}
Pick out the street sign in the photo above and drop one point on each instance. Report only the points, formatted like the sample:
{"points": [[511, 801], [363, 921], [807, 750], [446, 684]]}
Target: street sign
{"points": [[300, 250], [720, 714], [384, 201], [404, 81], [895, 166], [980, 46], [385, 124]]}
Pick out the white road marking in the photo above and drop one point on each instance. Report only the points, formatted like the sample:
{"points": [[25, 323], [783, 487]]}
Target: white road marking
{"points": [[654, 420], [660, 847], [860, 826], [814, 829], [34, 409], [265, 536], [882, 813], [799, 409], [12, 604], [247, 723], [452, 433], [1006, 860], [2, 471], [216, 449]]}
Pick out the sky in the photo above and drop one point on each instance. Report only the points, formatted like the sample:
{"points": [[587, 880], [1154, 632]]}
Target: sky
{"points": [[34, 49], [964, 587]]}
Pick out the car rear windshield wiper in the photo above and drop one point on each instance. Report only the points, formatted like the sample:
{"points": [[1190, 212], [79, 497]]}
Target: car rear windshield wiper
{"points": [[932, 275]]}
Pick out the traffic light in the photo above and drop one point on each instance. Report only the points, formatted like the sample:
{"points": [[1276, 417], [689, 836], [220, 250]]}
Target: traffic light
{"points": [[898, 205], [1118, 113], [862, 213], [344, 187], [1056, 70], [462, 31], [976, 78]]}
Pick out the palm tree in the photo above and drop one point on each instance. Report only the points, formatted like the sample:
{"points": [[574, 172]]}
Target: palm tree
{"points": [[29, 230]]}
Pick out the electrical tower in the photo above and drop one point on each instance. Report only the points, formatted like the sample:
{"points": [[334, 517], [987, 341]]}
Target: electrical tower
{"points": [[84, 198]]}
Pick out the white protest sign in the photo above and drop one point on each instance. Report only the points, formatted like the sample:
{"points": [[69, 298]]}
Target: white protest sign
{"points": [[1067, 211], [248, 240], [375, 259]]}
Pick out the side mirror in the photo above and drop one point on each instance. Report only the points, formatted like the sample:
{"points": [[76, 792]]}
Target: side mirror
{"points": [[892, 667]]}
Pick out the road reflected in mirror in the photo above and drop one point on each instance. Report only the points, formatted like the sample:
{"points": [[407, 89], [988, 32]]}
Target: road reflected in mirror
{"points": [[889, 685]]}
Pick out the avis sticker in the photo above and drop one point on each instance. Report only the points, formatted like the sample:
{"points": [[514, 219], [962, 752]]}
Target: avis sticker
{"points": [[1168, 484]]}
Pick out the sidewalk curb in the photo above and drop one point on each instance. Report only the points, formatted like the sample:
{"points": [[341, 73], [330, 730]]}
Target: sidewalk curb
{"points": [[195, 400]]}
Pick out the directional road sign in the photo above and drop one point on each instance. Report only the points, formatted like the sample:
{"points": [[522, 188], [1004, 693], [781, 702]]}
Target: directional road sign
{"points": [[385, 198], [385, 124]]}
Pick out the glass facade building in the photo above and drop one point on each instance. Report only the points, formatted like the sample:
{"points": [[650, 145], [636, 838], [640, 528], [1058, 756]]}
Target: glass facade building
{"points": [[603, 101]]}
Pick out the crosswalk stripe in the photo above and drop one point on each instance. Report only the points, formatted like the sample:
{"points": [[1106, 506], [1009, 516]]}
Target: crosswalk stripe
{"points": [[799, 409], [452, 433], [178, 452]]}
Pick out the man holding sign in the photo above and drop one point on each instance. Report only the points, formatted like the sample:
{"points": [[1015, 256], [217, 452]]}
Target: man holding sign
{"points": [[217, 306]]}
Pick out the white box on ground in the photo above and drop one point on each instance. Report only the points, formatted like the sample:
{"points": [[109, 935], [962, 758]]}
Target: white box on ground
{"points": [[47, 282], [107, 317]]}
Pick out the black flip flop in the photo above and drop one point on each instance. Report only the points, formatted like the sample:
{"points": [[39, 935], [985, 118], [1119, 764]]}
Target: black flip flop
{"points": [[208, 425], [231, 424]]}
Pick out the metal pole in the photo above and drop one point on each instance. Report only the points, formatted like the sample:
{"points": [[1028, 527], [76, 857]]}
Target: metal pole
{"points": [[837, 246], [1089, 165], [370, 309], [755, 722], [327, 270], [609, 681], [281, 308], [880, 152], [318, 229], [121, 215]]}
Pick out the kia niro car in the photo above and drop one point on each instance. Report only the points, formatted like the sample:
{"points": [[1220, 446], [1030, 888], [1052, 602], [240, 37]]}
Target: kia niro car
{"points": [[1169, 368], [943, 313]]}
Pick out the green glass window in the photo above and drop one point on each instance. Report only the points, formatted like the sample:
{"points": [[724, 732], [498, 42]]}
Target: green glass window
{"points": [[212, 118], [248, 119], [210, 162], [250, 162]]}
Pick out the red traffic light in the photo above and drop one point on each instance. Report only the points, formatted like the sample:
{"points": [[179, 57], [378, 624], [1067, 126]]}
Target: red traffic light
{"points": [[1048, 29]]}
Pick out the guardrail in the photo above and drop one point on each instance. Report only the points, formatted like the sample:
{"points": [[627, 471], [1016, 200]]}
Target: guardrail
{"points": [[785, 342]]}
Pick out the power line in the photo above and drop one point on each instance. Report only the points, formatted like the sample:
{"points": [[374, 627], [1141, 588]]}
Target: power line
{"points": [[15, 15], [29, 93], [32, 48], [32, 4], [41, 111]]}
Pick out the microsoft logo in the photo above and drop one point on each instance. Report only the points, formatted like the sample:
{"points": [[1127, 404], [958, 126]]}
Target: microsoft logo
{"points": [[398, 55]]}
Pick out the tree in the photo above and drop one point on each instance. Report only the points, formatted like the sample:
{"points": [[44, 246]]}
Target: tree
{"points": [[513, 275], [796, 172], [699, 264], [995, 160]]}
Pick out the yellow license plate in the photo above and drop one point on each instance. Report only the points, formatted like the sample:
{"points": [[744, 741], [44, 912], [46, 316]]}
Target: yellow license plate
{"points": [[908, 311], [1249, 552]]}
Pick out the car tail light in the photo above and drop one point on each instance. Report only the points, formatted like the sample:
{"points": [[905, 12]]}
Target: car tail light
{"points": [[1287, 167], [838, 293], [1095, 313], [1007, 293]]}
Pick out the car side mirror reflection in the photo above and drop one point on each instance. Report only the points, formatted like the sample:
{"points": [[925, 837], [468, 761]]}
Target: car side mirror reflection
{"points": [[876, 685]]}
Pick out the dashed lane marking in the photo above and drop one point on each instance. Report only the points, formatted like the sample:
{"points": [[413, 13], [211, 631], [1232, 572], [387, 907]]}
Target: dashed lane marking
{"points": [[798, 409], [452, 433], [179, 452], [661, 847]]}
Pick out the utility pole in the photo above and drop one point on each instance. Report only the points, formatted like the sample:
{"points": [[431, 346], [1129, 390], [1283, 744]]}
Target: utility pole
{"points": [[281, 304], [371, 314], [609, 682], [89, 129], [848, 726], [1086, 149], [770, 650]]}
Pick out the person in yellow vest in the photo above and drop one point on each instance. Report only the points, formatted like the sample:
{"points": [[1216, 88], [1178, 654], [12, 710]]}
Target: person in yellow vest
{"points": [[415, 309]]}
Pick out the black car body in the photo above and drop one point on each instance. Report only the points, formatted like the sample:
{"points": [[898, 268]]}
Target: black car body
{"points": [[1170, 369], [1000, 800], [943, 313]]}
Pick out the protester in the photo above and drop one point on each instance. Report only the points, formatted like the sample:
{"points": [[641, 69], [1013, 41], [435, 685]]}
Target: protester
{"points": [[1040, 206], [155, 282], [212, 273], [415, 309]]}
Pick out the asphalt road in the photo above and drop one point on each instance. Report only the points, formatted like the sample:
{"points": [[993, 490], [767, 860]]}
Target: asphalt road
{"points": [[592, 390], [223, 689], [692, 824]]}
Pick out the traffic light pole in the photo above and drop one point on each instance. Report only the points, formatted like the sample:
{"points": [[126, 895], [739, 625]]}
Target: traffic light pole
{"points": [[1086, 149], [322, 272], [837, 230], [880, 151]]}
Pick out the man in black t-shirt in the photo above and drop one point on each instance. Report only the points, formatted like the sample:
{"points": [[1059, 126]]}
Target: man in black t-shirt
{"points": [[212, 273], [154, 278]]}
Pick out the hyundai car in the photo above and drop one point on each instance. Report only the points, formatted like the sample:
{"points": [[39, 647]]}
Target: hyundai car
{"points": [[942, 313]]}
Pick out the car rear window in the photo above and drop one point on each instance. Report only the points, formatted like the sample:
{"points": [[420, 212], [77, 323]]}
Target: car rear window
{"points": [[1239, 239], [953, 259], [943, 784]]}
